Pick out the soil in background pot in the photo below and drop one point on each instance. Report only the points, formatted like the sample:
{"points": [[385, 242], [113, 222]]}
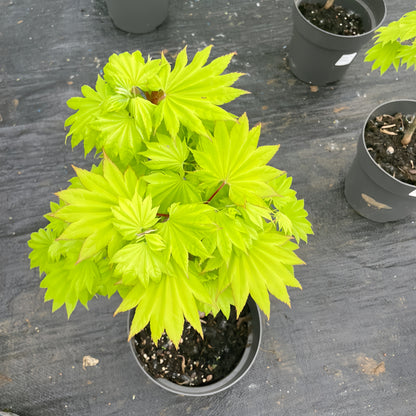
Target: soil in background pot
{"points": [[197, 361], [335, 19], [383, 138]]}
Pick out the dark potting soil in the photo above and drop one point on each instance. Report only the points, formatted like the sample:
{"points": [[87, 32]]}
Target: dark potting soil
{"points": [[335, 19], [383, 139], [198, 361]]}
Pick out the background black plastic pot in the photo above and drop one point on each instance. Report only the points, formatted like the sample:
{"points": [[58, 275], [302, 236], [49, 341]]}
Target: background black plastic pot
{"points": [[319, 57], [249, 355], [138, 16], [370, 190]]}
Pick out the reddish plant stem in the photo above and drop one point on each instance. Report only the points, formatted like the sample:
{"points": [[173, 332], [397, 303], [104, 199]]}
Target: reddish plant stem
{"points": [[159, 214], [215, 193]]}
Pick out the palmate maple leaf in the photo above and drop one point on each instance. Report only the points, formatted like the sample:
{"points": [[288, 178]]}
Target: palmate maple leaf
{"points": [[233, 159], [69, 282], [66, 280], [88, 107], [89, 208], [166, 154], [183, 232], [265, 267], [384, 55], [140, 261], [395, 44], [165, 304], [192, 93], [290, 214]]}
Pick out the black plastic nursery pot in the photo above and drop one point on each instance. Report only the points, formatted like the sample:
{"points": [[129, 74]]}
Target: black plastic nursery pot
{"points": [[242, 367], [319, 57], [138, 16], [370, 190]]}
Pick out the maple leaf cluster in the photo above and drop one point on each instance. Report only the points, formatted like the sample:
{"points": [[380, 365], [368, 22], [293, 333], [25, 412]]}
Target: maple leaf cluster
{"points": [[395, 45], [183, 213]]}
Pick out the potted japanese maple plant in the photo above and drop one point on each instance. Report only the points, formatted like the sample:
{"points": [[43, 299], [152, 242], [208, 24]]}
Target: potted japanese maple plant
{"points": [[183, 217], [138, 16], [381, 183], [327, 35]]}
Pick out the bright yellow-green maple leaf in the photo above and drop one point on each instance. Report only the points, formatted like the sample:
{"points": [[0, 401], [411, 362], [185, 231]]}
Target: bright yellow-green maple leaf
{"points": [[192, 93], [166, 154], [184, 231], [232, 232], [290, 213], [233, 159], [68, 281], [265, 267], [165, 304], [89, 209], [167, 188], [88, 107], [135, 216], [40, 242], [140, 261], [126, 71], [395, 44]]}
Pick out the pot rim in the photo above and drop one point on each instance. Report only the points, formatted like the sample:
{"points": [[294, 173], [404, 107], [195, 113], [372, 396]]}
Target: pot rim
{"points": [[334, 35]]}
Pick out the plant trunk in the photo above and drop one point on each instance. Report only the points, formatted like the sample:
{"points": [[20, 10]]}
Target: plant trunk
{"points": [[328, 4], [408, 134]]}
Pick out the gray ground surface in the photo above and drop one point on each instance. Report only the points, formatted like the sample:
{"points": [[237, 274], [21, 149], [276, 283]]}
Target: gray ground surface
{"points": [[347, 346]]}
